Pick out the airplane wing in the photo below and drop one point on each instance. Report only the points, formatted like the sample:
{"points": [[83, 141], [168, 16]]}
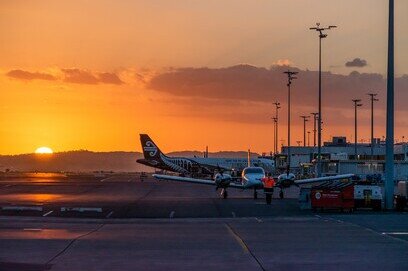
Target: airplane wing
{"points": [[324, 179], [192, 180]]}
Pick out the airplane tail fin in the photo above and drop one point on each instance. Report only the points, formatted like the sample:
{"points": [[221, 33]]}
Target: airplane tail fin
{"points": [[150, 150]]}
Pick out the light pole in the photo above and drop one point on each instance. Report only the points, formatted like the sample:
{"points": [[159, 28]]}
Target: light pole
{"points": [[373, 99], [356, 104], [291, 76], [314, 127], [308, 138], [275, 139], [389, 145], [277, 107], [319, 123], [305, 119]]}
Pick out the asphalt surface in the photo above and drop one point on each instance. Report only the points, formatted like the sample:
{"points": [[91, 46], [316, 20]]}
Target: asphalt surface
{"points": [[127, 196], [126, 224]]}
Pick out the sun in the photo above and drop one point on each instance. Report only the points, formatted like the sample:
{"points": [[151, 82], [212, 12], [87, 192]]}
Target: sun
{"points": [[43, 150]]}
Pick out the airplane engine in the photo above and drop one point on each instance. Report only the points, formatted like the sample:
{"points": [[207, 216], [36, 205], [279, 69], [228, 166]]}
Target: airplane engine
{"points": [[222, 180], [285, 180]]}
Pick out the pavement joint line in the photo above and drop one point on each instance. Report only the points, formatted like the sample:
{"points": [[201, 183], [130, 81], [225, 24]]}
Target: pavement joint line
{"points": [[109, 215], [22, 208], [172, 214], [73, 241], [242, 243], [48, 213]]}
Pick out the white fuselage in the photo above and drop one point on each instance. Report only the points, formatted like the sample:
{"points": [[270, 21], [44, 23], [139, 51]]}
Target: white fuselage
{"points": [[252, 177], [237, 164]]}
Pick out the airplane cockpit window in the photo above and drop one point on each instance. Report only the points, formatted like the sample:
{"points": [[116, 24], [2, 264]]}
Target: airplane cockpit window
{"points": [[253, 171]]}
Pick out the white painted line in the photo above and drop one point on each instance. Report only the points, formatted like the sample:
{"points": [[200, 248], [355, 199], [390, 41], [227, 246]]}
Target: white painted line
{"points": [[81, 209], [107, 179], [32, 229], [22, 208], [233, 214], [395, 233], [48, 213], [109, 215], [172, 214]]}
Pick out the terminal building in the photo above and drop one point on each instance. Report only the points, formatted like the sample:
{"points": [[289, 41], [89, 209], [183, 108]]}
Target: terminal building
{"points": [[338, 157]]}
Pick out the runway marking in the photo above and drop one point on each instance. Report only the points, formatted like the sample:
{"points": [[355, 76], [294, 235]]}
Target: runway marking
{"points": [[22, 208], [81, 209], [172, 214], [107, 178], [258, 219], [130, 180], [48, 213], [109, 215], [32, 229], [233, 214]]}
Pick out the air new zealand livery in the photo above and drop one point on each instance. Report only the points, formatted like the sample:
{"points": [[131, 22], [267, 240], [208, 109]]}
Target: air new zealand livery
{"points": [[153, 157]]}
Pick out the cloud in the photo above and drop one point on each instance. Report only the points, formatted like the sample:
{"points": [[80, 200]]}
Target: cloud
{"points": [[357, 62], [78, 76], [283, 62], [257, 84], [26, 75], [109, 78]]}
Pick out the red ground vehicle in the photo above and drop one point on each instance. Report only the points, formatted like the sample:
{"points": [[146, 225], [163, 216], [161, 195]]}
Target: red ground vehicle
{"points": [[337, 195]]}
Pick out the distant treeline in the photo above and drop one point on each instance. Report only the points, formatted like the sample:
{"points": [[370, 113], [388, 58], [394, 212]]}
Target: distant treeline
{"points": [[88, 161]]}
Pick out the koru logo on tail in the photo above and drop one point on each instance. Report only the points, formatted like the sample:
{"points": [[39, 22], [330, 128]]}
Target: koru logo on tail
{"points": [[151, 148]]}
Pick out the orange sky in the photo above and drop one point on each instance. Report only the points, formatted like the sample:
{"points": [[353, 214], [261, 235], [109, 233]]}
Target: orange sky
{"points": [[83, 74]]}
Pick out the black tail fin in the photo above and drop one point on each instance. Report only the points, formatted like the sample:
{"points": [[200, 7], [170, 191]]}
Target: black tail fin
{"points": [[150, 150]]}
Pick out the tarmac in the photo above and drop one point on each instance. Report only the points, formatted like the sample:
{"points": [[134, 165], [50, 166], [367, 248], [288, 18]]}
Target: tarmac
{"points": [[123, 223]]}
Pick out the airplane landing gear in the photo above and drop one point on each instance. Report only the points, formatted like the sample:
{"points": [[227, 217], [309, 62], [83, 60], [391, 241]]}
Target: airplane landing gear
{"points": [[281, 196], [268, 198], [255, 194], [224, 193]]}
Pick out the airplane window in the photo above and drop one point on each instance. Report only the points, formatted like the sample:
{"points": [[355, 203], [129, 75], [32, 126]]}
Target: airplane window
{"points": [[254, 170]]}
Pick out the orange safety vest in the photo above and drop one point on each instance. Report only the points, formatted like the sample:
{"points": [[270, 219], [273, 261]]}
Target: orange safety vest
{"points": [[268, 182]]}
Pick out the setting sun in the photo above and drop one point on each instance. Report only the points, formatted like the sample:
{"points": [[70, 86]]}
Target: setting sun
{"points": [[42, 150]]}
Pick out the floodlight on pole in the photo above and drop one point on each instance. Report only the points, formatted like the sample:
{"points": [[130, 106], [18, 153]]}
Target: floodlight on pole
{"points": [[373, 99], [275, 139], [322, 35], [356, 104], [305, 119], [277, 107], [314, 127], [291, 77]]}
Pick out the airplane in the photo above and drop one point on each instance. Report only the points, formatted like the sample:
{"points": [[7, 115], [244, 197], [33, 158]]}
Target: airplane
{"points": [[252, 178], [194, 166]]}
